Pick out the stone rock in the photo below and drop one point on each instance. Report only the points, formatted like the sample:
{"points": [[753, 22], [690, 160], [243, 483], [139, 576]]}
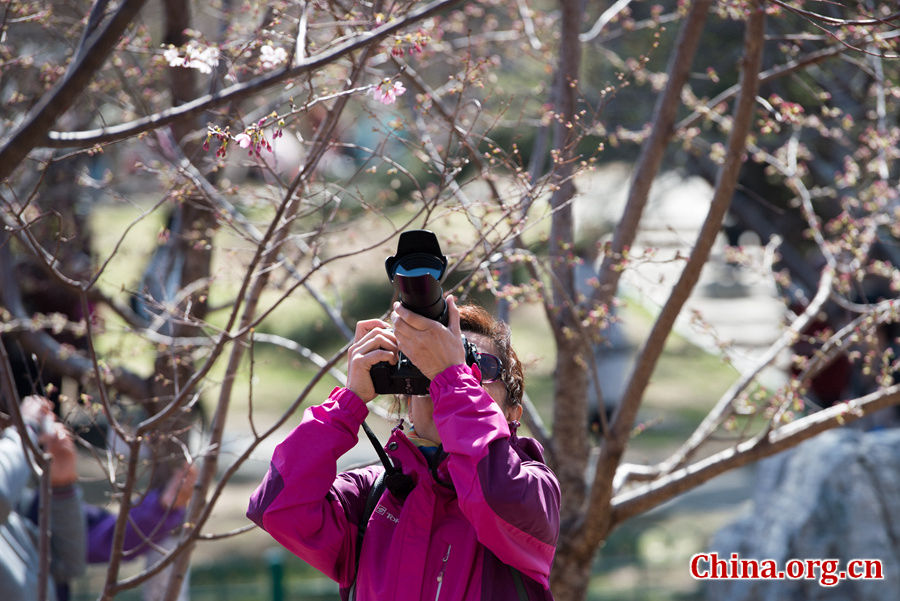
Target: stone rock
{"points": [[836, 496]]}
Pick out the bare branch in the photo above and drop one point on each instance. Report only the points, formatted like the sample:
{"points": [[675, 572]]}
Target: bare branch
{"points": [[614, 445], [653, 149], [528, 23], [646, 497], [118, 542], [238, 91], [788, 68], [718, 413], [833, 20], [48, 350], [605, 18], [55, 102], [242, 223]]}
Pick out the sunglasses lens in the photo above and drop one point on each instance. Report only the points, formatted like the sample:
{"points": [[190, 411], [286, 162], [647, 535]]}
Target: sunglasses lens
{"points": [[490, 367]]}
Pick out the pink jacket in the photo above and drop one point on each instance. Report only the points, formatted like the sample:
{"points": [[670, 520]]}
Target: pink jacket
{"points": [[489, 503]]}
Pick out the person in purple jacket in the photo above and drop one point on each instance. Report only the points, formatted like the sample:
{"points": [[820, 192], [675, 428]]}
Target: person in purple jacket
{"points": [[154, 517], [480, 519]]}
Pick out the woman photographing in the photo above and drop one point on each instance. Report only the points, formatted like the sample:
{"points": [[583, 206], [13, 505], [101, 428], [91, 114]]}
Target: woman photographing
{"points": [[478, 518]]}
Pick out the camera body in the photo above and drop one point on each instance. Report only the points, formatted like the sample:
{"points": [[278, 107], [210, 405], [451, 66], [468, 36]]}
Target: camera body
{"points": [[405, 378], [415, 272]]}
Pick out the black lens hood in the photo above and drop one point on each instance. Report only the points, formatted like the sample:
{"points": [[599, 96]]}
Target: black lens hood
{"points": [[417, 248]]}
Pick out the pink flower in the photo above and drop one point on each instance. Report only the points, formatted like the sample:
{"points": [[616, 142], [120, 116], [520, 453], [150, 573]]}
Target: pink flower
{"points": [[387, 92], [243, 140]]}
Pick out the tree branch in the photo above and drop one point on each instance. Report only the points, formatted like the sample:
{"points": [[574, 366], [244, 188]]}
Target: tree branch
{"points": [[653, 150], [48, 350], [613, 447], [765, 77], [32, 131], [715, 417], [643, 498], [241, 222], [84, 139]]}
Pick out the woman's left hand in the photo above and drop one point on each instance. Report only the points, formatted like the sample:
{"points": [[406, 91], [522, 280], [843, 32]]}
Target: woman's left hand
{"points": [[429, 345]]}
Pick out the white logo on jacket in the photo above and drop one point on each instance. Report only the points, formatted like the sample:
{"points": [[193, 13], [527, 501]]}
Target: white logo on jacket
{"points": [[382, 510]]}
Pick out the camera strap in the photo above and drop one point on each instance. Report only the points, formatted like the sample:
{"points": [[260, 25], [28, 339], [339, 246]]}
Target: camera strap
{"points": [[385, 460], [396, 481]]}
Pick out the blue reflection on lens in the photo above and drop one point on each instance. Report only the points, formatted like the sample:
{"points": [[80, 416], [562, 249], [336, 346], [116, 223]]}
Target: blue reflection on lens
{"points": [[418, 271]]}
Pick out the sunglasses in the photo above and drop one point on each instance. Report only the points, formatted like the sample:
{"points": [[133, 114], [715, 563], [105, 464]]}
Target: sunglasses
{"points": [[490, 366]]}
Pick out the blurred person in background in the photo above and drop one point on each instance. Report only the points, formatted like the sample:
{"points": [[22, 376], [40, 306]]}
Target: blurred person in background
{"points": [[19, 537], [151, 521], [153, 518]]}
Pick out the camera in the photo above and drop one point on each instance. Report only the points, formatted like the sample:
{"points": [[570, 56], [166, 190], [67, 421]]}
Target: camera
{"points": [[415, 272]]}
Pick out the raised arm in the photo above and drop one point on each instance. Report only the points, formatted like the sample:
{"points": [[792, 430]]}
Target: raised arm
{"points": [[302, 502], [510, 498]]}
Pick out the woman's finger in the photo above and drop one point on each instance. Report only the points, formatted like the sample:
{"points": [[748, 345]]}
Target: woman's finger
{"points": [[377, 337], [380, 341], [367, 325], [453, 316], [368, 359]]}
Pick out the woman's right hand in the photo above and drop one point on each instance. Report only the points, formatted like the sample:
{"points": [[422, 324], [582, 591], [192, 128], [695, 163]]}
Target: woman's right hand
{"points": [[373, 343]]}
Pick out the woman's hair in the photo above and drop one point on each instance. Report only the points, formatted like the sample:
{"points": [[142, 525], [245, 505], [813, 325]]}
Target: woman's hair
{"points": [[477, 320]]}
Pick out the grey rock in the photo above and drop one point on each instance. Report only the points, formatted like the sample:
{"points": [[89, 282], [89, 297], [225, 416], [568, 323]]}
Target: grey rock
{"points": [[836, 496]]}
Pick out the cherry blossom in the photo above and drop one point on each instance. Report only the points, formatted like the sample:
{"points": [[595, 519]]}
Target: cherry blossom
{"points": [[195, 57], [271, 57], [243, 140], [387, 92]]}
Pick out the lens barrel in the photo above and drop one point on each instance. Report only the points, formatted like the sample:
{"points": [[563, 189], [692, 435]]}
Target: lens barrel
{"points": [[415, 271]]}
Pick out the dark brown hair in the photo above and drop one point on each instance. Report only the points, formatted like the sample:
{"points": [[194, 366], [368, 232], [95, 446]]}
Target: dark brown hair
{"points": [[477, 320]]}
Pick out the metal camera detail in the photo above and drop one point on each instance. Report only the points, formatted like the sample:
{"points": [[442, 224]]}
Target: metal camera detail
{"points": [[416, 272]]}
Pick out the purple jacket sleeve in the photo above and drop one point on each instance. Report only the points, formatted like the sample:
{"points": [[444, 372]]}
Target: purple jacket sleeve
{"points": [[302, 502], [148, 522], [510, 500]]}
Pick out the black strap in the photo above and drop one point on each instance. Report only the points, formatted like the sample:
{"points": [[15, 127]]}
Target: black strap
{"points": [[519, 583], [392, 479], [375, 492], [385, 460], [397, 482]]}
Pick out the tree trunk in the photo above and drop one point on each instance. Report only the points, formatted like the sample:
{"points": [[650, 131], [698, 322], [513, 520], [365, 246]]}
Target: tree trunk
{"points": [[173, 369], [571, 573]]}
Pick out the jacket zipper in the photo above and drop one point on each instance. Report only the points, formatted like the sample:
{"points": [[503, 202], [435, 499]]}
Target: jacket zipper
{"points": [[440, 578]]}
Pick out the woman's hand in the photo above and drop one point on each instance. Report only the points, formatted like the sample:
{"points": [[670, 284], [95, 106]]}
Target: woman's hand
{"points": [[37, 411], [429, 345], [373, 342], [63, 457]]}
